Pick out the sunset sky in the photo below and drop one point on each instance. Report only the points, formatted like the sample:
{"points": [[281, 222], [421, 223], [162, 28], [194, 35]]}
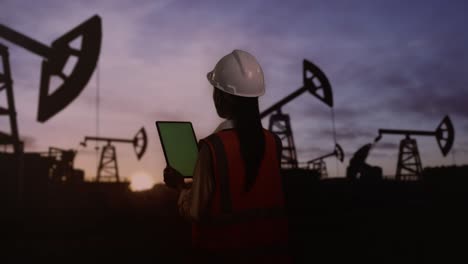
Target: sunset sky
{"points": [[391, 64]]}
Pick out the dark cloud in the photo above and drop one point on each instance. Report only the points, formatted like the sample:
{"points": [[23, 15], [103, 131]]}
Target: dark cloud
{"points": [[315, 150], [348, 133], [346, 116], [386, 146], [420, 81], [380, 155]]}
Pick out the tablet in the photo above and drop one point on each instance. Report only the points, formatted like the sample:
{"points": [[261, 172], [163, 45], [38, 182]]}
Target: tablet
{"points": [[179, 144]]}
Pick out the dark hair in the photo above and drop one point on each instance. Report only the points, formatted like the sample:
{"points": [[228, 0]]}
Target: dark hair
{"points": [[246, 116]]}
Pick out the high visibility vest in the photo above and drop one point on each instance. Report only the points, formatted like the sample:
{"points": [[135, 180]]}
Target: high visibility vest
{"points": [[241, 222]]}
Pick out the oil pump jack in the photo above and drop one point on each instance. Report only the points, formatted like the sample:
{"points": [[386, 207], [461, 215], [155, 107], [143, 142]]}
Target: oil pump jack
{"points": [[52, 100], [108, 169], [55, 59], [409, 165], [319, 164], [318, 85]]}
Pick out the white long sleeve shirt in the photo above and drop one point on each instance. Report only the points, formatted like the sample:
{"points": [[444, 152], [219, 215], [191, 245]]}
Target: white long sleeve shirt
{"points": [[194, 201]]}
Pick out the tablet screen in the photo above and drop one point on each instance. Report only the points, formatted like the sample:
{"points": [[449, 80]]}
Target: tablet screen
{"points": [[179, 145]]}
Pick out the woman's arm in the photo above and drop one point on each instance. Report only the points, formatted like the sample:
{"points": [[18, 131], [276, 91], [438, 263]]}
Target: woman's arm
{"points": [[194, 201]]}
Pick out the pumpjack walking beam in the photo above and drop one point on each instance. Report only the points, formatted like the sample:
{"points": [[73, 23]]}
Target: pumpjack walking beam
{"points": [[108, 169], [316, 82]]}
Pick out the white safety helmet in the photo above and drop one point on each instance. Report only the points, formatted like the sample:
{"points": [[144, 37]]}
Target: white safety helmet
{"points": [[238, 73]]}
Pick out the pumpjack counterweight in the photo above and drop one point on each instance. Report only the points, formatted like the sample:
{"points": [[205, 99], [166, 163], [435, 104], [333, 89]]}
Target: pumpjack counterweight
{"points": [[316, 82], [108, 169]]}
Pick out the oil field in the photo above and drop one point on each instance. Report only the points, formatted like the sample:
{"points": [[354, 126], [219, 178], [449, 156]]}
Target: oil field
{"points": [[53, 210]]}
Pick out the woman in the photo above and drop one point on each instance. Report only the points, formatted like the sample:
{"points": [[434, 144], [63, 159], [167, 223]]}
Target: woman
{"points": [[236, 201]]}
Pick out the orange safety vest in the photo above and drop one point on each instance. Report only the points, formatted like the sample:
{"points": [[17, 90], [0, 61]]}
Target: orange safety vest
{"points": [[243, 223]]}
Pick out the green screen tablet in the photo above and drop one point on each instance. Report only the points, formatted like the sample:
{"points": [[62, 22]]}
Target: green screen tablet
{"points": [[179, 144]]}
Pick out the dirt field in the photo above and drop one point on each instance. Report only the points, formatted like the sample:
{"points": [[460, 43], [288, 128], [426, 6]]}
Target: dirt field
{"points": [[331, 220]]}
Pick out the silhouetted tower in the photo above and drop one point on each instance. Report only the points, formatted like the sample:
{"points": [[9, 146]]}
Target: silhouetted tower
{"points": [[321, 167], [409, 166], [319, 164], [318, 85], [108, 169], [280, 125], [6, 84]]}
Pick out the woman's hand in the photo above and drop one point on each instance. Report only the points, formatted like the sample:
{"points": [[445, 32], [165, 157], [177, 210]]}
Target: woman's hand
{"points": [[173, 178]]}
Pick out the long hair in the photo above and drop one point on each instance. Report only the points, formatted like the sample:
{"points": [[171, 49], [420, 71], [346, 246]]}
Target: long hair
{"points": [[252, 141], [246, 116]]}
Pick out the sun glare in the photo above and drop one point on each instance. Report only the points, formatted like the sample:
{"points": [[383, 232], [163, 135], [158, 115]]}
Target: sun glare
{"points": [[141, 181]]}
